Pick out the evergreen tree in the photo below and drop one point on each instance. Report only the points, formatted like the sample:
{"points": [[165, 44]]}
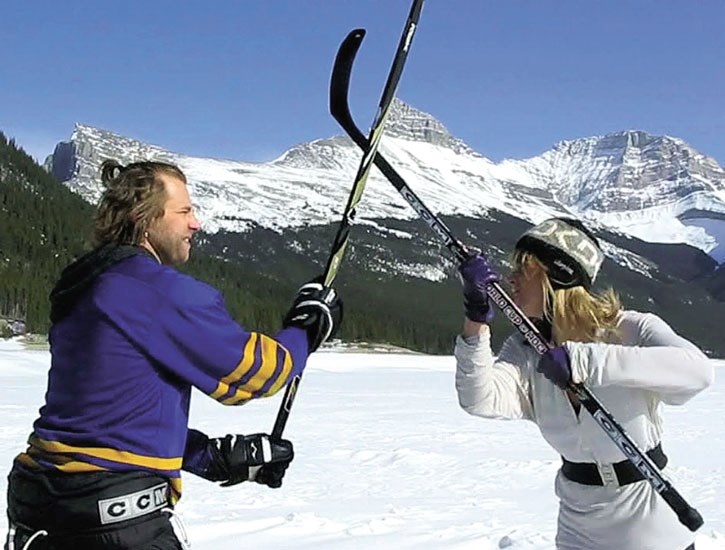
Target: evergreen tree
{"points": [[44, 226]]}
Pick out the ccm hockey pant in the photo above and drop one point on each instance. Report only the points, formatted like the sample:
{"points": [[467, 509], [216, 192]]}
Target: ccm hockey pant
{"points": [[92, 511]]}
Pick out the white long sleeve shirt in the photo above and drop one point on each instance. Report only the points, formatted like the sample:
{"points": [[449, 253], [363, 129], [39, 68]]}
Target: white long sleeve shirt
{"points": [[651, 366]]}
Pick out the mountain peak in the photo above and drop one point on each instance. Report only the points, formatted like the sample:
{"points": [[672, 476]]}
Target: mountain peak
{"points": [[631, 170], [618, 143], [656, 187], [79, 158], [406, 122]]}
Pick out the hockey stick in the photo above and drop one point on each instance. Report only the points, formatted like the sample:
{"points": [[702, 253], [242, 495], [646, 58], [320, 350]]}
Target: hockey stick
{"points": [[348, 217], [340, 110]]}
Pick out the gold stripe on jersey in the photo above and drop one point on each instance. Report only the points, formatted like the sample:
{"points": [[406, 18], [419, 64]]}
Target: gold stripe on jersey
{"points": [[286, 370], [27, 460], [244, 365], [268, 352], [113, 455], [62, 462], [68, 465], [76, 467]]}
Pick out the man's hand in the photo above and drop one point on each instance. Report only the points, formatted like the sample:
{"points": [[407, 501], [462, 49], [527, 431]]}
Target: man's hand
{"points": [[317, 310], [238, 458]]}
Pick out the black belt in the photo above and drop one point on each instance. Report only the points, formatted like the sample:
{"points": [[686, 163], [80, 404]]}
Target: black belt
{"points": [[588, 473]]}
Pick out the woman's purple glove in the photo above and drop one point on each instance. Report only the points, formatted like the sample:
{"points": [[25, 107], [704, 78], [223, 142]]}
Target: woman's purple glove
{"points": [[556, 366], [477, 274]]}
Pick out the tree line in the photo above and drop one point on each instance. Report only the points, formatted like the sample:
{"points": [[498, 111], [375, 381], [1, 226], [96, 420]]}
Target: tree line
{"points": [[44, 226]]}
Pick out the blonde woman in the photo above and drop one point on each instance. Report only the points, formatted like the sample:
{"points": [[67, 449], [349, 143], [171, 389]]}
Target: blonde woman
{"points": [[633, 362]]}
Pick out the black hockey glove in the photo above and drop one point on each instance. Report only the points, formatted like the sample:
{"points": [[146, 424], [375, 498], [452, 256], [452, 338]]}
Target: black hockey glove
{"points": [[237, 458], [316, 309]]}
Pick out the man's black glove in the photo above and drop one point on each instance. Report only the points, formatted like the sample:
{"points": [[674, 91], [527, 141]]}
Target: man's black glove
{"points": [[237, 458], [316, 309]]}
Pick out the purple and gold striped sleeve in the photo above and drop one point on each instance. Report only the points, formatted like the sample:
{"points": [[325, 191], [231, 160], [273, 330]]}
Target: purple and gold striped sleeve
{"points": [[264, 368], [199, 342]]}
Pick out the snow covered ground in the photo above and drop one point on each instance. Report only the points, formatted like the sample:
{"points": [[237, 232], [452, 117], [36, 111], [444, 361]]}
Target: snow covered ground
{"points": [[386, 459]]}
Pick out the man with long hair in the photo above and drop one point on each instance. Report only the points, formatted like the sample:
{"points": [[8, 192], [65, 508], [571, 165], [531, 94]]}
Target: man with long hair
{"points": [[634, 362], [130, 337]]}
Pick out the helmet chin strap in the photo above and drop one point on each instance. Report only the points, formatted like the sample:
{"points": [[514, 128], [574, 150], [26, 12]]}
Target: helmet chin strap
{"points": [[547, 323]]}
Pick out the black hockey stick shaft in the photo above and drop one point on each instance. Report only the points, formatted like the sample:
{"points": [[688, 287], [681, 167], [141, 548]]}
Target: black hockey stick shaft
{"points": [[348, 217], [340, 109], [376, 133]]}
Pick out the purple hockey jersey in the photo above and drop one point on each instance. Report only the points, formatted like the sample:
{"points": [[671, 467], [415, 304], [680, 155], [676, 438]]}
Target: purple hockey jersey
{"points": [[130, 338]]}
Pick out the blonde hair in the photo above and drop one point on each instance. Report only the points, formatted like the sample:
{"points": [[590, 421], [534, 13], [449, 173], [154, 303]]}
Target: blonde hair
{"points": [[134, 197], [576, 314]]}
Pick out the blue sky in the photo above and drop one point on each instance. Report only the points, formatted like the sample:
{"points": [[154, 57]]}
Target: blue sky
{"points": [[248, 79]]}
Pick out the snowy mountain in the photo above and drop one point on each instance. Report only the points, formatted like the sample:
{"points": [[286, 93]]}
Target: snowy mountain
{"points": [[655, 188], [277, 220]]}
